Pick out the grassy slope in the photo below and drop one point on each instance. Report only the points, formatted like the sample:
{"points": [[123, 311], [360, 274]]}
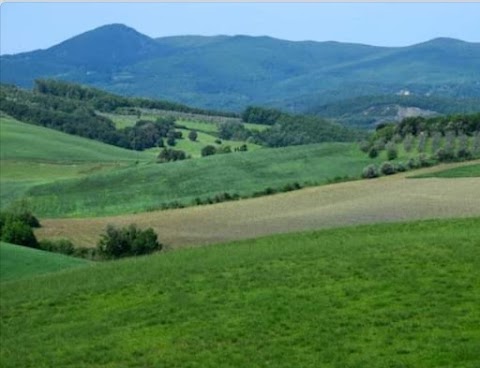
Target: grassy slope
{"points": [[31, 155], [402, 295], [147, 187], [207, 134], [20, 141], [457, 172], [18, 262]]}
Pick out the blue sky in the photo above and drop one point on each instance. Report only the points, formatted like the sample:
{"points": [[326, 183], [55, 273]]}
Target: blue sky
{"points": [[29, 26]]}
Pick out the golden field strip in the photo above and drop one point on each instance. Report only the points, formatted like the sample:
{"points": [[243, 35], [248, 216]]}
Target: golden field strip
{"points": [[387, 199]]}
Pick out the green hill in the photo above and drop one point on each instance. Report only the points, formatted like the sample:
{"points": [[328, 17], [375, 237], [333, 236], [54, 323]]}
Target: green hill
{"points": [[231, 72], [378, 296], [17, 262], [20, 141], [32, 155], [154, 186]]}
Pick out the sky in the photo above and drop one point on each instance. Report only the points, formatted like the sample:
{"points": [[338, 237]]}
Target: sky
{"points": [[31, 26]]}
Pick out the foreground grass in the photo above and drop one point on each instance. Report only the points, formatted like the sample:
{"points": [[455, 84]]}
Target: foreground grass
{"points": [[402, 295], [467, 171], [18, 262]]}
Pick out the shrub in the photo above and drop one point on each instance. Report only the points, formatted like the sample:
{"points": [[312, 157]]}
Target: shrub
{"points": [[387, 168], [400, 167], [408, 142], [365, 146], [373, 152], [208, 150], [63, 246], [392, 152], [127, 241], [424, 161], [16, 232], [422, 141], [370, 172], [170, 154], [443, 155], [413, 164], [192, 135]]}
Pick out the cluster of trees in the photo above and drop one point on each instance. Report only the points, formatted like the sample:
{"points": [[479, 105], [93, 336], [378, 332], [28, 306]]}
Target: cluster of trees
{"points": [[108, 102], [170, 154], [466, 124], [447, 138], [127, 241], [210, 150], [260, 115], [74, 117], [288, 130]]}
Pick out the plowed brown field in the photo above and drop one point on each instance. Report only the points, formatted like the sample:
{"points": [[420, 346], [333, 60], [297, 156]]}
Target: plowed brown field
{"points": [[386, 199]]}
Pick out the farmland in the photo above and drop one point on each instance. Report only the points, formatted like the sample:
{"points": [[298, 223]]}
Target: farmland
{"points": [[376, 295], [394, 198]]}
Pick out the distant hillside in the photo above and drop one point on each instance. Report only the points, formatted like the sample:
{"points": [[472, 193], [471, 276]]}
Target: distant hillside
{"points": [[231, 72], [368, 111]]}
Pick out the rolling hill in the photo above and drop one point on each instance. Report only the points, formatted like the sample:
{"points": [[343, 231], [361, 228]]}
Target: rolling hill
{"points": [[402, 295], [17, 262], [230, 72]]}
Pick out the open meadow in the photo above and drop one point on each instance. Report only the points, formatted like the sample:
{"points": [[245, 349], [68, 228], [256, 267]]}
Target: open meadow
{"points": [[391, 295]]}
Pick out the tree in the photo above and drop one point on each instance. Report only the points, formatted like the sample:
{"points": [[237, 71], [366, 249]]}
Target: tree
{"points": [[208, 150], [392, 152], [370, 172], [408, 142], [192, 135]]}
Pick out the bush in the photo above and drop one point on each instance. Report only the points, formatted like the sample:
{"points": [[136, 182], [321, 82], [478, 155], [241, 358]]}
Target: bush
{"points": [[192, 135], [365, 146], [401, 167], [387, 168], [63, 246], [127, 241], [373, 152], [170, 154], [413, 164], [392, 152], [370, 172], [208, 150], [19, 233]]}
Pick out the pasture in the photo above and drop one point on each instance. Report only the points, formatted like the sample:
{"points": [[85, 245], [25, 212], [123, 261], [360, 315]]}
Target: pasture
{"points": [[391, 295]]}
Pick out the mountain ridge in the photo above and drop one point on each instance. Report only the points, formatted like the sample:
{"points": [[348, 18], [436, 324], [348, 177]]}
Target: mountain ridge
{"points": [[230, 72]]}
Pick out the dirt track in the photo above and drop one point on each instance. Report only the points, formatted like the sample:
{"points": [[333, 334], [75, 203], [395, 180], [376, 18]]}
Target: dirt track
{"points": [[386, 199]]}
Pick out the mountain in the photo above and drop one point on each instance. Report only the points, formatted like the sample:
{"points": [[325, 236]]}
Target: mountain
{"points": [[231, 72]]}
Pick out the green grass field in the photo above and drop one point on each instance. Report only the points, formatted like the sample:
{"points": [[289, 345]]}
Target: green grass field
{"points": [[467, 171], [20, 141], [17, 262], [147, 187], [32, 155], [403, 295]]}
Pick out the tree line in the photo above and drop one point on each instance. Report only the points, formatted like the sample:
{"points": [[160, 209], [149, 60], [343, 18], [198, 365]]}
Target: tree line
{"points": [[109, 102]]}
